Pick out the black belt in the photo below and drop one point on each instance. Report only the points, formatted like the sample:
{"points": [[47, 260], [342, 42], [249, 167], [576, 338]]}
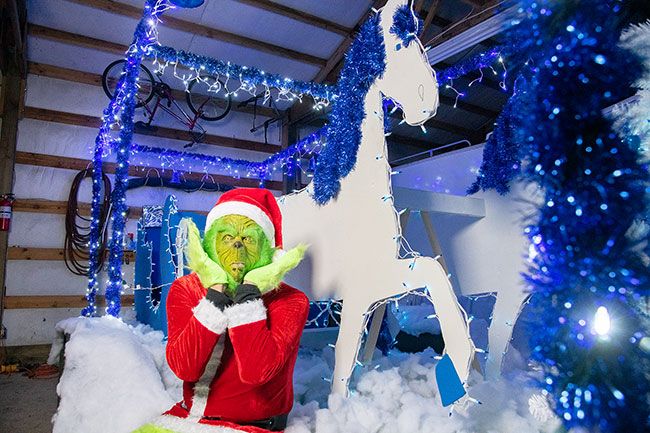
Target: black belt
{"points": [[274, 423]]}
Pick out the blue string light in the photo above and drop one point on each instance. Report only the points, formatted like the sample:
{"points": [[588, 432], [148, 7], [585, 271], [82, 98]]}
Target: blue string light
{"points": [[474, 63], [364, 62], [118, 116], [247, 78], [281, 162]]}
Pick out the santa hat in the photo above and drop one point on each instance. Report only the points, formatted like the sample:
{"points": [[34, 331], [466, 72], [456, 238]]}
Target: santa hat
{"points": [[255, 203]]}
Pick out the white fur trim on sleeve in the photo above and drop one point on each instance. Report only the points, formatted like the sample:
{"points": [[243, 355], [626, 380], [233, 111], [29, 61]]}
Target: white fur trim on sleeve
{"points": [[210, 316], [278, 253], [248, 312]]}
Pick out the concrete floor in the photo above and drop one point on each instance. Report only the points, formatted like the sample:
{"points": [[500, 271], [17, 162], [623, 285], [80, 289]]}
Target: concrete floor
{"points": [[27, 405]]}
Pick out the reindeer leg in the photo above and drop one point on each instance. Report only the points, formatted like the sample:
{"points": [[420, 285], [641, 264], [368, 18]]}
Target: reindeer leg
{"points": [[353, 321], [453, 320], [505, 313]]}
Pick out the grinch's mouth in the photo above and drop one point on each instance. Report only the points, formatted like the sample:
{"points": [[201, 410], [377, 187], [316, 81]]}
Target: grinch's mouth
{"points": [[237, 266]]}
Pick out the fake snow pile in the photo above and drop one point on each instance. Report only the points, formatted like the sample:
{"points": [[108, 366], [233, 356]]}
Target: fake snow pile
{"points": [[116, 378], [399, 395]]}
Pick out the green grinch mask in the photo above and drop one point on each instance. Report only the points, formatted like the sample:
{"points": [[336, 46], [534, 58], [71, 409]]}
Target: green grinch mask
{"points": [[239, 245]]}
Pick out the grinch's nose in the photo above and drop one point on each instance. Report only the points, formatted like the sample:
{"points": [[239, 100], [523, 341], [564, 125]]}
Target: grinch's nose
{"points": [[238, 244]]}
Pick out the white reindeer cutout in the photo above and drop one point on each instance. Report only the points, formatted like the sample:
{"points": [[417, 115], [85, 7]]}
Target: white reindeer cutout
{"points": [[354, 239]]}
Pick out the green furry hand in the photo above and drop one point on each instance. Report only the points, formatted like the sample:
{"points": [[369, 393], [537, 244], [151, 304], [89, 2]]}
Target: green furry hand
{"points": [[209, 272], [269, 277]]}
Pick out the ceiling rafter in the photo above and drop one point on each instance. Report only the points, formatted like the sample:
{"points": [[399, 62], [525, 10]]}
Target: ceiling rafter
{"points": [[298, 15], [123, 9], [417, 6], [431, 14], [476, 3], [453, 29], [339, 53], [75, 39], [300, 110]]}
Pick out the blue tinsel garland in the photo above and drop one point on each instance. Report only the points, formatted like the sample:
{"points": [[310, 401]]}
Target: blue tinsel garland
{"points": [[251, 75], [406, 25], [594, 188], [506, 144], [262, 170], [474, 63], [364, 62], [121, 107]]}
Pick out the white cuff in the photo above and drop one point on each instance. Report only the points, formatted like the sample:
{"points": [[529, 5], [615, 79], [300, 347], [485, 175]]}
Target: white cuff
{"points": [[210, 316], [248, 312]]}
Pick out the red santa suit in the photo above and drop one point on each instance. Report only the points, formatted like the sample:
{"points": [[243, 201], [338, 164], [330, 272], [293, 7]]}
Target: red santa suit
{"points": [[236, 361]]}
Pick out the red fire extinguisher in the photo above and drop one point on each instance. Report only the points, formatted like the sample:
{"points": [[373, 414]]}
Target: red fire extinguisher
{"points": [[6, 203]]}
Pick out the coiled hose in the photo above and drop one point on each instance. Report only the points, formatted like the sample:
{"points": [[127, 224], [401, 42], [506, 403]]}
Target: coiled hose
{"points": [[76, 251]]}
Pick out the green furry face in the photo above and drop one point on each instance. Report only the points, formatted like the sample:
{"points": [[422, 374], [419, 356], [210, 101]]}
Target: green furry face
{"points": [[238, 244]]}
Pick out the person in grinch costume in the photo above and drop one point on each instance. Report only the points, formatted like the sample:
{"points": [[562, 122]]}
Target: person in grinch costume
{"points": [[233, 326]]}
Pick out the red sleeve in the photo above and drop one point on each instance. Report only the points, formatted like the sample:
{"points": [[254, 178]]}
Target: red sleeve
{"points": [[194, 326], [263, 340]]}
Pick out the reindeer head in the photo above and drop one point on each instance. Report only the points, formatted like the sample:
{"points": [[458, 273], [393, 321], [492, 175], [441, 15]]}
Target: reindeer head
{"points": [[408, 79]]}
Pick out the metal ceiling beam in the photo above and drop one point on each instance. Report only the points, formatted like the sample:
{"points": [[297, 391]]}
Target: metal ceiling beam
{"points": [[298, 15], [171, 22], [466, 33]]}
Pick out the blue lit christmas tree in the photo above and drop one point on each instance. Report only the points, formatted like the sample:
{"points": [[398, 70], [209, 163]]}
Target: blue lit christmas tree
{"points": [[586, 277]]}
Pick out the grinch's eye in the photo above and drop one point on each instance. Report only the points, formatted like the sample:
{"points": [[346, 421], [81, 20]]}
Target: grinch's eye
{"points": [[227, 238], [248, 240]]}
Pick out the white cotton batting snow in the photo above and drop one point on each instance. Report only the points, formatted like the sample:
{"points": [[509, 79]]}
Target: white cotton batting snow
{"points": [[116, 378]]}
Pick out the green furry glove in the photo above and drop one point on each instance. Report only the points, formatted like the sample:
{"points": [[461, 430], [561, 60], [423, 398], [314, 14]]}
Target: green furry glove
{"points": [[209, 272], [268, 277]]}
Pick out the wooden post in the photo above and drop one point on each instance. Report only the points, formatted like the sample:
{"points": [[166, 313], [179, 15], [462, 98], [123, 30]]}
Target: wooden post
{"points": [[13, 63], [433, 239], [373, 334]]}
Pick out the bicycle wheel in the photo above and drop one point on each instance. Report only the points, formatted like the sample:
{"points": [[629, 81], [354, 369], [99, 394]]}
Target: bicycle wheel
{"points": [[203, 101], [113, 73]]}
